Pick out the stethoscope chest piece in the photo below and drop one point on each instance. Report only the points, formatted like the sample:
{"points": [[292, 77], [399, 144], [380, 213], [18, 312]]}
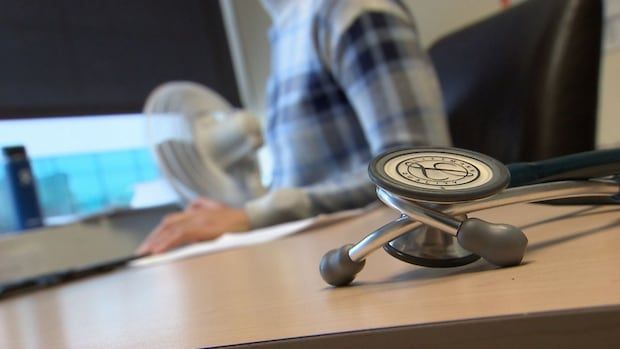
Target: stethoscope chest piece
{"points": [[438, 175], [435, 177], [435, 188]]}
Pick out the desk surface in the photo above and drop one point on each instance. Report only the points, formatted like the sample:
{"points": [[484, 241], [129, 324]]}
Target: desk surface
{"points": [[274, 291]]}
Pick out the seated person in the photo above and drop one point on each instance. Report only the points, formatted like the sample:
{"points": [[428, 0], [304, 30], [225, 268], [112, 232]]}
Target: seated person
{"points": [[348, 81]]}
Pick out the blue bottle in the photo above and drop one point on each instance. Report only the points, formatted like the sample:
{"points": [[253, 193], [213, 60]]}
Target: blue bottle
{"points": [[22, 190]]}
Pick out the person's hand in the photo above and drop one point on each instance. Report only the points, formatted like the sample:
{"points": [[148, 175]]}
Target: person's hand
{"points": [[203, 220]]}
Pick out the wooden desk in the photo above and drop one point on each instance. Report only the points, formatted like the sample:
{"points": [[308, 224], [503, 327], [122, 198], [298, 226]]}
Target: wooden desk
{"points": [[567, 293]]}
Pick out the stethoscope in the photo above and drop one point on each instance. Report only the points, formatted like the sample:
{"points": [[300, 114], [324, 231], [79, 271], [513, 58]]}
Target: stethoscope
{"points": [[435, 188]]}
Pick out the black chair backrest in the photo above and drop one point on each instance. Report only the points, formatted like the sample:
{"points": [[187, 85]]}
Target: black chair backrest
{"points": [[523, 85]]}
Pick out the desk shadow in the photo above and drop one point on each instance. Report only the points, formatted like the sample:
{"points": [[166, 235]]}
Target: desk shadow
{"points": [[580, 213], [545, 244], [430, 274], [435, 274]]}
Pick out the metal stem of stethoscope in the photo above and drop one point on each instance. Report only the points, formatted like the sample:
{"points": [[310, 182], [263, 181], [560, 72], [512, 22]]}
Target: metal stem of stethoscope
{"points": [[500, 244], [418, 215], [435, 188]]}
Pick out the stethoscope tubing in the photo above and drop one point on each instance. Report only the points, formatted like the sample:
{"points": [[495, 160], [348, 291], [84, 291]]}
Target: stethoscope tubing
{"points": [[585, 165]]}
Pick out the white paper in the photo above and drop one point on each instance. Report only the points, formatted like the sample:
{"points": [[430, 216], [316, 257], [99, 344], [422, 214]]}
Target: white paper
{"points": [[233, 240], [153, 193]]}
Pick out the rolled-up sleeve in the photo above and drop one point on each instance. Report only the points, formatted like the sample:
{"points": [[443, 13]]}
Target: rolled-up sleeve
{"points": [[391, 85]]}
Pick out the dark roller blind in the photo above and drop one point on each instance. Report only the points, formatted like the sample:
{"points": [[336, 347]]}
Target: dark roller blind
{"points": [[76, 57]]}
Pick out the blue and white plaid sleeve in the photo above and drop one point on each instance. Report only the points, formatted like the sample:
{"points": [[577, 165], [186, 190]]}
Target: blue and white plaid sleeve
{"points": [[390, 82], [392, 87]]}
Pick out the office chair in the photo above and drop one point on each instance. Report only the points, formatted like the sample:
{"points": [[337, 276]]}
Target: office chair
{"points": [[523, 85]]}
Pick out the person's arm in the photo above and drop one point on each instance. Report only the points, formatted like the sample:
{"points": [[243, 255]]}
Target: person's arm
{"points": [[202, 220], [288, 204], [392, 87], [390, 82]]}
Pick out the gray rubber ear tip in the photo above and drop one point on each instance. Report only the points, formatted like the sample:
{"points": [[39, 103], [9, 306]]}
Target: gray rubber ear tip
{"points": [[500, 244], [337, 268]]}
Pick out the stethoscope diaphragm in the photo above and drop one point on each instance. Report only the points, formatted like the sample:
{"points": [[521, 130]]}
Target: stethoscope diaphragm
{"points": [[438, 175]]}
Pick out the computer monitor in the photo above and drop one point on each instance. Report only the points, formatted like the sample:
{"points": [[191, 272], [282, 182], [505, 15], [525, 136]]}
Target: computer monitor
{"points": [[73, 57]]}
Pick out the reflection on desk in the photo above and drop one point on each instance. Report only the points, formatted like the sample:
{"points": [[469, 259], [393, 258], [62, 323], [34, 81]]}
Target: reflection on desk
{"points": [[566, 293]]}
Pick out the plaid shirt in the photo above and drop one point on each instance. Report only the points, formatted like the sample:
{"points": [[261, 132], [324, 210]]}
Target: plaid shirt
{"points": [[348, 81]]}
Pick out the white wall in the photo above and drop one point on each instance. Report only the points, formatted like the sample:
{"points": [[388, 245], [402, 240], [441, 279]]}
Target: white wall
{"points": [[435, 19], [609, 122], [247, 24], [608, 134]]}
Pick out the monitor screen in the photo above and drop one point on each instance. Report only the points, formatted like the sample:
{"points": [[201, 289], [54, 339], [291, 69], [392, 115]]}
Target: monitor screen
{"points": [[72, 57]]}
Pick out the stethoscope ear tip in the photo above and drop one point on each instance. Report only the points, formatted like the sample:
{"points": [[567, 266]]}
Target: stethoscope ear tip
{"points": [[337, 268], [499, 244]]}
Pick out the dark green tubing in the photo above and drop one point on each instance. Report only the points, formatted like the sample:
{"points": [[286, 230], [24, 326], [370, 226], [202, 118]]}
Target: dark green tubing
{"points": [[579, 166]]}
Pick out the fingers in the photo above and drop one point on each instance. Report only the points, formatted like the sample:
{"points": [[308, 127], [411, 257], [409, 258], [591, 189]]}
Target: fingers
{"points": [[156, 236], [202, 203], [203, 220], [168, 240], [164, 239]]}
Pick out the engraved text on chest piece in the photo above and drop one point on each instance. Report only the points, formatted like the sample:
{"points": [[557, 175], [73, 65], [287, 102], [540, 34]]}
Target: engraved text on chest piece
{"points": [[441, 171]]}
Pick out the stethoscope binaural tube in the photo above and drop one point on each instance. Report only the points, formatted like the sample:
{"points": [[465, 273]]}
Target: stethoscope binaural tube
{"points": [[339, 267], [580, 166]]}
